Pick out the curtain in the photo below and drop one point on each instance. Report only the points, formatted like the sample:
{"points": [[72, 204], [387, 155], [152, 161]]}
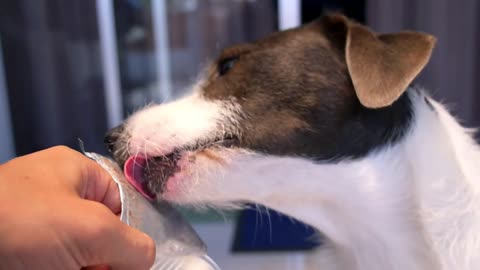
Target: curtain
{"points": [[53, 75]]}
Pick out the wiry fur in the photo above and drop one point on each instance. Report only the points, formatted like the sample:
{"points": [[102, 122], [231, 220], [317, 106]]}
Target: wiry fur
{"points": [[413, 205], [396, 187], [207, 120]]}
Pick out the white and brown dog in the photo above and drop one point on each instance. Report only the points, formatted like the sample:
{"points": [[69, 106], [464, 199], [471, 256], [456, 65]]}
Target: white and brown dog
{"points": [[321, 123]]}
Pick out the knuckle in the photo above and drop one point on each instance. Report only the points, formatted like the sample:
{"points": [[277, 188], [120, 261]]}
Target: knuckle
{"points": [[144, 248], [61, 149], [100, 224], [67, 156], [149, 251], [92, 234]]}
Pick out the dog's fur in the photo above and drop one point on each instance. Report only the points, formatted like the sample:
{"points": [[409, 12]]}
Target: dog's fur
{"points": [[324, 126]]}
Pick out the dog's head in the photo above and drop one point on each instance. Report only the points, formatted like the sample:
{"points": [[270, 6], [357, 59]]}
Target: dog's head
{"points": [[326, 91]]}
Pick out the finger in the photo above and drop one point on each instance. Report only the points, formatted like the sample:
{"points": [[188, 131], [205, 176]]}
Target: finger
{"points": [[87, 178], [111, 242], [139, 249], [99, 186], [98, 267]]}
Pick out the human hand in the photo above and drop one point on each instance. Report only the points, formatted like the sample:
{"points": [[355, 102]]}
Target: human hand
{"points": [[58, 211]]}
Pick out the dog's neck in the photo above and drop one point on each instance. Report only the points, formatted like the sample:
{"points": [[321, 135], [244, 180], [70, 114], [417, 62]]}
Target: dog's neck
{"points": [[409, 206], [445, 165]]}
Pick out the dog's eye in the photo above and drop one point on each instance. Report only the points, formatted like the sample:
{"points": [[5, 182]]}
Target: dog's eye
{"points": [[226, 65]]}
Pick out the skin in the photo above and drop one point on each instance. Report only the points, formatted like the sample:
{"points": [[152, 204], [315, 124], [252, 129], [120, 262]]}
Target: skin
{"points": [[59, 210]]}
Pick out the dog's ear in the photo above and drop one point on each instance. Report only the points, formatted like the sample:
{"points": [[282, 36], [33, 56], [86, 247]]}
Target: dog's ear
{"points": [[381, 66]]}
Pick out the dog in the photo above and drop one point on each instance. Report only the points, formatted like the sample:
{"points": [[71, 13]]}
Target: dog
{"points": [[322, 123]]}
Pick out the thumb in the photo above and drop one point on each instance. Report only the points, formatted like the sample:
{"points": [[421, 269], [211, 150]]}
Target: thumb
{"points": [[137, 247], [99, 186], [109, 241]]}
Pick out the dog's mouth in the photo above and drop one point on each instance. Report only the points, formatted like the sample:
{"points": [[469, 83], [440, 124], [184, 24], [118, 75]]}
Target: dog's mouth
{"points": [[149, 175]]}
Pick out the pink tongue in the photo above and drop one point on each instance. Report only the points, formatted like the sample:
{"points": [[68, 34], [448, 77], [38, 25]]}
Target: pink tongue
{"points": [[133, 170]]}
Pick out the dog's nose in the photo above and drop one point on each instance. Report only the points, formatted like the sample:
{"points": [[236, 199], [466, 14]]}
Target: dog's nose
{"points": [[112, 137]]}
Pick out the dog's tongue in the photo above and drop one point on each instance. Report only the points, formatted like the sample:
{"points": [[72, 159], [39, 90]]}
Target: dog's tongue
{"points": [[134, 172]]}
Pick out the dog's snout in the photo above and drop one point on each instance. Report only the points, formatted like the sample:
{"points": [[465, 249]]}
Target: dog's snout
{"points": [[112, 137]]}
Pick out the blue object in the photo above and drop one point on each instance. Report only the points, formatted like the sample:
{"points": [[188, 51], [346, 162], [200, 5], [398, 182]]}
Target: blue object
{"points": [[268, 230]]}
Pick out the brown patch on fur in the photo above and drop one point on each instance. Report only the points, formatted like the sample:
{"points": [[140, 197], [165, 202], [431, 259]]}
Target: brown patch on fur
{"points": [[296, 91], [382, 66], [296, 87], [210, 154], [284, 83]]}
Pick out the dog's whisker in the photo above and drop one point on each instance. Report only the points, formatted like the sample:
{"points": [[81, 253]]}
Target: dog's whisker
{"points": [[269, 224]]}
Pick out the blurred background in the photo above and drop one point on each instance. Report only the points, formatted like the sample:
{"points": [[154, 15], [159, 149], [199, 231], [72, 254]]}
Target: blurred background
{"points": [[72, 69]]}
